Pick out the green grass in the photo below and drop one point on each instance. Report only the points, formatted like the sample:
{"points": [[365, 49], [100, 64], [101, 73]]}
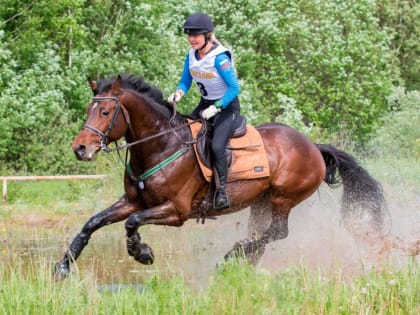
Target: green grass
{"points": [[236, 288], [395, 172], [60, 197]]}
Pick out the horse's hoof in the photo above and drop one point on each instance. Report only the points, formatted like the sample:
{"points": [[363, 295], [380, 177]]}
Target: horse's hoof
{"points": [[251, 250], [236, 252], [61, 271], [144, 255]]}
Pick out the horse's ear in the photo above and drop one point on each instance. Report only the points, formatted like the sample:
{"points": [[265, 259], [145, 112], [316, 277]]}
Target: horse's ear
{"points": [[116, 86], [93, 86]]}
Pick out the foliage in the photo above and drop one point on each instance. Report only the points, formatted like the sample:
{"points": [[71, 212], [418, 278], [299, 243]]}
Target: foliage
{"points": [[36, 133], [330, 56], [29, 24], [402, 20], [323, 67], [399, 135]]}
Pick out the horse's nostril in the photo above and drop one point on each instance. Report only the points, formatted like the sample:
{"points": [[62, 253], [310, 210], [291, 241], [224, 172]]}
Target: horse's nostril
{"points": [[80, 150]]}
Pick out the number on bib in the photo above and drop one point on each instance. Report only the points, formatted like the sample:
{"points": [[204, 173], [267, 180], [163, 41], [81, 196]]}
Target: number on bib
{"points": [[202, 89]]}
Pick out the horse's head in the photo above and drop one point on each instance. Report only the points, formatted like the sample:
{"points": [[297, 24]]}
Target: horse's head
{"points": [[107, 121]]}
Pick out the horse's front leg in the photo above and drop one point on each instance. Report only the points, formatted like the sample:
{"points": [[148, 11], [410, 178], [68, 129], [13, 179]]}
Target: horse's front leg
{"points": [[118, 211], [164, 214]]}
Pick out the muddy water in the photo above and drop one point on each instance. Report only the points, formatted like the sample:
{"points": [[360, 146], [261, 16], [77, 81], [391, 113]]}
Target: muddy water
{"points": [[317, 241]]}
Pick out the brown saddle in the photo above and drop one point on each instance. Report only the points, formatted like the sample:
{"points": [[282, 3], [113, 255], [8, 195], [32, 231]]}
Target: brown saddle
{"points": [[205, 136], [246, 154]]}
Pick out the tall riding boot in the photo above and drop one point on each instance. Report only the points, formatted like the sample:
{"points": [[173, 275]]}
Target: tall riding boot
{"points": [[221, 199]]}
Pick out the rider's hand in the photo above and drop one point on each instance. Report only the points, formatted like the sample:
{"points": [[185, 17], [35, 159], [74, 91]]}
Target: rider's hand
{"points": [[175, 97], [209, 112]]}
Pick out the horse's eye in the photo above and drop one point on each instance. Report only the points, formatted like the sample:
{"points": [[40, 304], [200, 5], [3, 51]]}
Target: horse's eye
{"points": [[105, 113]]}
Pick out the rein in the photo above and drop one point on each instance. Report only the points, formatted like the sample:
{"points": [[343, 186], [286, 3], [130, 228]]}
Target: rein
{"points": [[104, 139], [173, 129], [119, 107]]}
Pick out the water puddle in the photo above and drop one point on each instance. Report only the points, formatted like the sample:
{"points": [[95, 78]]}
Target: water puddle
{"points": [[317, 241]]}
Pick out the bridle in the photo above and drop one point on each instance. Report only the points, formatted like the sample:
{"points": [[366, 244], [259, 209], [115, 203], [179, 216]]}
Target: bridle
{"points": [[104, 139], [103, 136]]}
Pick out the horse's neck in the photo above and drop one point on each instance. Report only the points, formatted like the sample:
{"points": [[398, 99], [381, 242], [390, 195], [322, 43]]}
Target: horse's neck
{"points": [[146, 119], [149, 128]]}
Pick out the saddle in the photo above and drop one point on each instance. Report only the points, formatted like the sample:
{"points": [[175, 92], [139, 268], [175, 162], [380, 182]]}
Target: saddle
{"points": [[245, 154], [205, 136]]}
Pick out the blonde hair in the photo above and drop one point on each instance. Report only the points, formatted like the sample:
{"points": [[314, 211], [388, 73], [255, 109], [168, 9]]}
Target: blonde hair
{"points": [[214, 39]]}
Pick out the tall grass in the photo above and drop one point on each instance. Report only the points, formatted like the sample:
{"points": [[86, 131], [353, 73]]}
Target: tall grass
{"points": [[236, 288]]}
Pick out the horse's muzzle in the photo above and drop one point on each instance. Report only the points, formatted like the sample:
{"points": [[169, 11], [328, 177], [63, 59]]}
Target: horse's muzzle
{"points": [[80, 152]]}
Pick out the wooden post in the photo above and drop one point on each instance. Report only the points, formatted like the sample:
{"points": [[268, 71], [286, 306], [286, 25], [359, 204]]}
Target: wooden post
{"points": [[4, 190]]}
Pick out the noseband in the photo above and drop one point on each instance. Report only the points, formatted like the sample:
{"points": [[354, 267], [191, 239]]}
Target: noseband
{"points": [[103, 136]]}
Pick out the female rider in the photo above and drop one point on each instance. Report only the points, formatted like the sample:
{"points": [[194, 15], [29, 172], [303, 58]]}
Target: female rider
{"points": [[210, 65]]}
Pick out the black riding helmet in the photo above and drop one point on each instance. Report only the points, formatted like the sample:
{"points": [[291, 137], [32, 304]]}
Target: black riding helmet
{"points": [[198, 23]]}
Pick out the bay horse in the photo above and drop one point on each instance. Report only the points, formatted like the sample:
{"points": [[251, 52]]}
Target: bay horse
{"points": [[158, 138]]}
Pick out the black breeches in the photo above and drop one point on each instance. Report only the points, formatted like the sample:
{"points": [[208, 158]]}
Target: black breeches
{"points": [[224, 124]]}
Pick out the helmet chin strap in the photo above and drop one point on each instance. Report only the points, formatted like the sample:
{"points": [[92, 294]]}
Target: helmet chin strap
{"points": [[206, 41]]}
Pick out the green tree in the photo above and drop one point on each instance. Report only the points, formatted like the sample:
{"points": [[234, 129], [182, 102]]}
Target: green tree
{"points": [[30, 24], [401, 19], [397, 134], [36, 131], [331, 57], [324, 67]]}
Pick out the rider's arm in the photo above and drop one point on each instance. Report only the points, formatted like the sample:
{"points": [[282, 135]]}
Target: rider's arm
{"points": [[186, 78], [225, 68]]}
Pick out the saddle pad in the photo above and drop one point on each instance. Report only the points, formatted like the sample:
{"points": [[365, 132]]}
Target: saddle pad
{"points": [[249, 156]]}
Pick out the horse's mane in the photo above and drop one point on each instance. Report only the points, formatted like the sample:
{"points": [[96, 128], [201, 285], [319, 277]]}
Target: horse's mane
{"points": [[138, 85]]}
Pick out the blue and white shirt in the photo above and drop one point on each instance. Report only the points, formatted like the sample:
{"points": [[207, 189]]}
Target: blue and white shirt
{"points": [[214, 75]]}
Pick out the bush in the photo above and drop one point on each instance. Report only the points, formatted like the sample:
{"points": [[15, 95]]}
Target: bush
{"points": [[323, 67], [37, 130], [331, 57], [399, 134]]}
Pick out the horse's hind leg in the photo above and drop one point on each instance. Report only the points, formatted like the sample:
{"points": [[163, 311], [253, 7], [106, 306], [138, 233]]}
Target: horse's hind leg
{"points": [[253, 247], [259, 217]]}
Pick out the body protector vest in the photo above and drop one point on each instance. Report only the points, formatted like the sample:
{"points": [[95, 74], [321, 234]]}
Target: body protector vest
{"points": [[205, 74]]}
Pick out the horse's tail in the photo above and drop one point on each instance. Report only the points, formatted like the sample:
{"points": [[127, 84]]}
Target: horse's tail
{"points": [[364, 208]]}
